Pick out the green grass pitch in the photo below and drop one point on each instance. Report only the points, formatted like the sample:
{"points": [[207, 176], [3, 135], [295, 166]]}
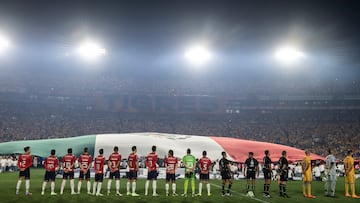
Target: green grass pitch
{"points": [[8, 183]]}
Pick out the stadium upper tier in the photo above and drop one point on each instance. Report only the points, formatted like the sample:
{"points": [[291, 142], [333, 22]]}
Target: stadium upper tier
{"points": [[80, 84]]}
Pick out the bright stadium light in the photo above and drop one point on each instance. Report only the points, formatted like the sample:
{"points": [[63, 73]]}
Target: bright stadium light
{"points": [[91, 51], [289, 55], [197, 55], [4, 44]]}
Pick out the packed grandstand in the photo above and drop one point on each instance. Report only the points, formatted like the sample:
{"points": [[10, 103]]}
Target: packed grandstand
{"points": [[301, 115]]}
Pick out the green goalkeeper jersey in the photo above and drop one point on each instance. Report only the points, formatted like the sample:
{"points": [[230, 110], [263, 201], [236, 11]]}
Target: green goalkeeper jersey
{"points": [[189, 161]]}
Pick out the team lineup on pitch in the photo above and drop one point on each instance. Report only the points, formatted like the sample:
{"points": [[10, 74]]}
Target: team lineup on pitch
{"points": [[251, 171]]}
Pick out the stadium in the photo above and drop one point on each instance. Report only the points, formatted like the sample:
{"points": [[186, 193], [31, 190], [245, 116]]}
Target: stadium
{"points": [[215, 76]]}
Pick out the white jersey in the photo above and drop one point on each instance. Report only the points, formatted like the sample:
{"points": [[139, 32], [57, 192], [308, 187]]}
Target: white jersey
{"points": [[331, 159]]}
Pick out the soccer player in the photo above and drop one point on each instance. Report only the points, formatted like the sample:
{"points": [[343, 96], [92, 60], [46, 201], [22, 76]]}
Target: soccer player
{"points": [[114, 166], [205, 164], [189, 164], [68, 163], [151, 161], [24, 163], [171, 164], [307, 175], [283, 172], [226, 176], [51, 164], [99, 172], [267, 173], [133, 172], [251, 168], [330, 171], [85, 161], [350, 175]]}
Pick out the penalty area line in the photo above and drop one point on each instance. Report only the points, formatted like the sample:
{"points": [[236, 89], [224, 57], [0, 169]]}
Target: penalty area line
{"points": [[254, 198]]}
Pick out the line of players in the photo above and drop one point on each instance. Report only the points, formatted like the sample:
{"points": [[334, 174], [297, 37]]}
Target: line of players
{"points": [[171, 162]]}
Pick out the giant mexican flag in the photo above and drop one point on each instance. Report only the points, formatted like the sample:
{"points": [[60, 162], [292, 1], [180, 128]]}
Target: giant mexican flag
{"points": [[237, 149]]}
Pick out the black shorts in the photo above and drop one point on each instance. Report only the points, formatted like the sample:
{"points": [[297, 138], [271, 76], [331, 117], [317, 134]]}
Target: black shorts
{"points": [[152, 175], [86, 175], [204, 176], [284, 176], [115, 174], [267, 174], [25, 173], [132, 175], [189, 175], [170, 177], [99, 177], [68, 175], [49, 176], [226, 175], [250, 174]]}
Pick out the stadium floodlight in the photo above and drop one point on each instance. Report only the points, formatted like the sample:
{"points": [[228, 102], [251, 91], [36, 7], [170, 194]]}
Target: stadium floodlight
{"points": [[4, 43], [198, 55], [289, 55], [91, 51]]}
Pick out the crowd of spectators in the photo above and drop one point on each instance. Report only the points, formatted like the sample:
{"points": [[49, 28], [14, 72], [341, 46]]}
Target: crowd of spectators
{"points": [[314, 130], [89, 85]]}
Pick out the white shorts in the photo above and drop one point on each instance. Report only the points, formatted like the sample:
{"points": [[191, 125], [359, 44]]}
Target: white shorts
{"points": [[332, 177]]}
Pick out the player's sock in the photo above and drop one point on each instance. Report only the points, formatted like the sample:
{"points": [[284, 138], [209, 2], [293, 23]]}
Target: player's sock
{"points": [[88, 186], [52, 185], [43, 186], [109, 185], [284, 189], [229, 188], [352, 188], [99, 188], [117, 183], [193, 186], [18, 186], [265, 185], [167, 188], [154, 187], [128, 187], [27, 186], [304, 188], [223, 188], [72, 185], [281, 189], [62, 186], [208, 188], [94, 187], [346, 189], [333, 185], [309, 189], [247, 187], [186, 184], [326, 187], [147, 186], [133, 187], [174, 187], [200, 188], [268, 188], [253, 188], [79, 186]]}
